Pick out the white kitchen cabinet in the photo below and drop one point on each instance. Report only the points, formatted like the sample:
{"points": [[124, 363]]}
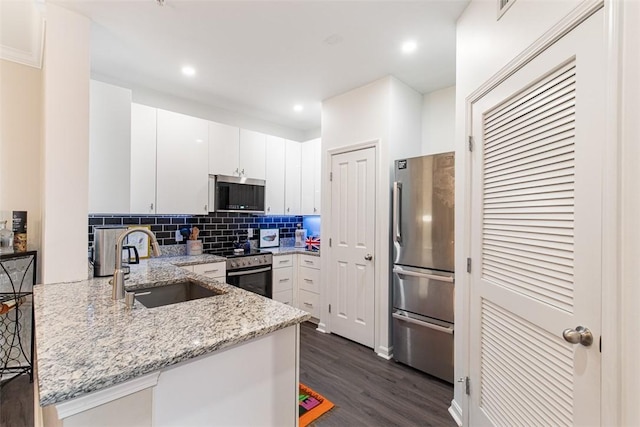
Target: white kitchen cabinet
{"points": [[182, 164], [109, 145], [292, 178], [283, 278], [252, 154], [275, 175], [310, 177], [308, 284], [143, 159], [214, 270], [224, 149]]}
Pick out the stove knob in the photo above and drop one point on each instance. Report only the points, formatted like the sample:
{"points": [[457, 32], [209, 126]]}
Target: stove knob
{"points": [[244, 263], [233, 264]]}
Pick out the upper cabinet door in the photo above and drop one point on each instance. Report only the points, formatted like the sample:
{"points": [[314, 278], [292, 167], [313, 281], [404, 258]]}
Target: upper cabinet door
{"points": [[252, 154], [292, 177], [307, 181], [183, 164], [310, 177], [275, 169], [143, 159], [317, 175], [224, 149], [109, 144]]}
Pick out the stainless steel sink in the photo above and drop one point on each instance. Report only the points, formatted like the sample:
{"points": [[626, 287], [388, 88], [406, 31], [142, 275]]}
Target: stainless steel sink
{"points": [[174, 293]]}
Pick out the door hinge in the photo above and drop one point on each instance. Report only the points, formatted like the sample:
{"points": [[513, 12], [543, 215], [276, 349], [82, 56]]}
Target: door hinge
{"points": [[467, 384], [468, 265], [330, 176], [329, 241], [470, 143], [329, 308]]}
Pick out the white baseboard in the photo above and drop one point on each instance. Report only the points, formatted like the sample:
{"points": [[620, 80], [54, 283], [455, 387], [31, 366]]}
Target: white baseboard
{"points": [[385, 352], [456, 412], [322, 328]]}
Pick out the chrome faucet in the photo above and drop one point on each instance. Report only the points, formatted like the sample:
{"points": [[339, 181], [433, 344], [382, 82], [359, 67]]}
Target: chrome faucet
{"points": [[118, 275]]}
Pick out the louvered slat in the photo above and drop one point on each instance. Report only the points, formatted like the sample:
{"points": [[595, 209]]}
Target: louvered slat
{"points": [[522, 384]]}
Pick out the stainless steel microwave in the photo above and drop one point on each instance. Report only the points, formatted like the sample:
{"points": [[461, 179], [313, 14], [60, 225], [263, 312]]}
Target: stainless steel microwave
{"points": [[236, 194]]}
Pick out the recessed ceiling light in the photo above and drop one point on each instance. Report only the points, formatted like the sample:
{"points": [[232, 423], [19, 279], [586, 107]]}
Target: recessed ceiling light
{"points": [[188, 71], [297, 108], [409, 46]]}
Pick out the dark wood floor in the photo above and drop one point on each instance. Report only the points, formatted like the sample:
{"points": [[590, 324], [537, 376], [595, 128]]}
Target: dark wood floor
{"points": [[366, 389], [16, 403]]}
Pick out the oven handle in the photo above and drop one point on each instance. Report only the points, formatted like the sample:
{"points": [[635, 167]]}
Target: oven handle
{"points": [[420, 323], [245, 272]]}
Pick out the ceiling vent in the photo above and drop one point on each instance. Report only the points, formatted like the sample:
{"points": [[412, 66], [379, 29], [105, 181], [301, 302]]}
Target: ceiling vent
{"points": [[503, 6]]}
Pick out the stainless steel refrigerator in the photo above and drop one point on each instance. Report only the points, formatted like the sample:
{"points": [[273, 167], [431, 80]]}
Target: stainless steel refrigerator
{"points": [[423, 263]]}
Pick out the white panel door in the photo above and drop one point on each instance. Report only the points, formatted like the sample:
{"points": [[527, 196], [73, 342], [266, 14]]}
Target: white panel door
{"points": [[183, 164], [143, 159], [292, 177], [109, 145], [536, 238], [274, 171], [224, 149], [252, 154], [351, 272]]}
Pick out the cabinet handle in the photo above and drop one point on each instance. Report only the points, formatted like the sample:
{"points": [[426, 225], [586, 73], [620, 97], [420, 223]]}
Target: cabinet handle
{"points": [[308, 304], [287, 209], [308, 262], [151, 206], [237, 172], [315, 210], [284, 280], [211, 271], [269, 209], [242, 171], [308, 280], [283, 261], [205, 208]]}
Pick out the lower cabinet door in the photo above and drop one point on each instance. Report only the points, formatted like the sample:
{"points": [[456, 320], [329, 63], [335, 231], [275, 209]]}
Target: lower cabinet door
{"points": [[309, 302], [285, 297]]}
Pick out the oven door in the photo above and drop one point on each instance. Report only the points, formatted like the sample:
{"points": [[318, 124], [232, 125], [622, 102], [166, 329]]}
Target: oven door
{"points": [[257, 280]]}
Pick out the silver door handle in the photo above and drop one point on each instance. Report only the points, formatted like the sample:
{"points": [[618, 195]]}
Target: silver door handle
{"points": [[397, 211], [368, 257], [423, 275], [425, 324], [579, 335]]}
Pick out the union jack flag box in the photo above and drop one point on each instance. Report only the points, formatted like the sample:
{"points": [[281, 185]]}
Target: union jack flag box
{"points": [[313, 243]]}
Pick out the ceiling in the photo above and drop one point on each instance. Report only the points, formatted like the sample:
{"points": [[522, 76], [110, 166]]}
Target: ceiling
{"points": [[259, 58]]}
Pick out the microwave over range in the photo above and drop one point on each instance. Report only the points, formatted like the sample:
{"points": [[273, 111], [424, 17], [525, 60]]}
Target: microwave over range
{"points": [[236, 194]]}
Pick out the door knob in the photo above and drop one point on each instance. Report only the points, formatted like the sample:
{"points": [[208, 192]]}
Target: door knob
{"points": [[579, 335], [368, 257]]}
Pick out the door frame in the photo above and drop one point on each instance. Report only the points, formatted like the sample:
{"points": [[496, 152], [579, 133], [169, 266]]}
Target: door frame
{"points": [[611, 372], [381, 252]]}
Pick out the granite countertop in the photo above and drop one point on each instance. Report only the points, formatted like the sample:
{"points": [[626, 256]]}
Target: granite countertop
{"points": [[287, 250], [87, 342]]}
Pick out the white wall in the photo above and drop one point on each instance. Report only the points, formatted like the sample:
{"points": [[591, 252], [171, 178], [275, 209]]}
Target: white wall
{"points": [[484, 46], [153, 98], [21, 146], [388, 111], [66, 146], [439, 121]]}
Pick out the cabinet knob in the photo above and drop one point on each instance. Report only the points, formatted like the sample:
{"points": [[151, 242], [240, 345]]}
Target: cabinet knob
{"points": [[151, 207], [205, 208], [287, 209], [242, 171], [315, 210], [269, 209], [237, 172]]}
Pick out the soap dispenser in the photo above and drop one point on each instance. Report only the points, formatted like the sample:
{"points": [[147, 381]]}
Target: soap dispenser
{"points": [[301, 236]]}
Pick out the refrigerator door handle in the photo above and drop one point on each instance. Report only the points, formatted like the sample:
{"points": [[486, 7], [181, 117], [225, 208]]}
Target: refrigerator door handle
{"points": [[447, 279], [421, 323], [397, 212]]}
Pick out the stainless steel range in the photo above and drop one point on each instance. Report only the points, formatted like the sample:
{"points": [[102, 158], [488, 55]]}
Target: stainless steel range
{"points": [[251, 272]]}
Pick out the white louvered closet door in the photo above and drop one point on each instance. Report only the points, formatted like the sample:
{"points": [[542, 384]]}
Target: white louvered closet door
{"points": [[536, 238]]}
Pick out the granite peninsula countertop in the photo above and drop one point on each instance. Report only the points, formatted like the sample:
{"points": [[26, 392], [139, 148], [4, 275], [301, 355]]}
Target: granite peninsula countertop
{"points": [[88, 342]]}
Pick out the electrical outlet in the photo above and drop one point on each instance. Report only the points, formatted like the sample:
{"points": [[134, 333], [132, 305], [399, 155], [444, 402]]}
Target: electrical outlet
{"points": [[249, 233], [178, 236]]}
